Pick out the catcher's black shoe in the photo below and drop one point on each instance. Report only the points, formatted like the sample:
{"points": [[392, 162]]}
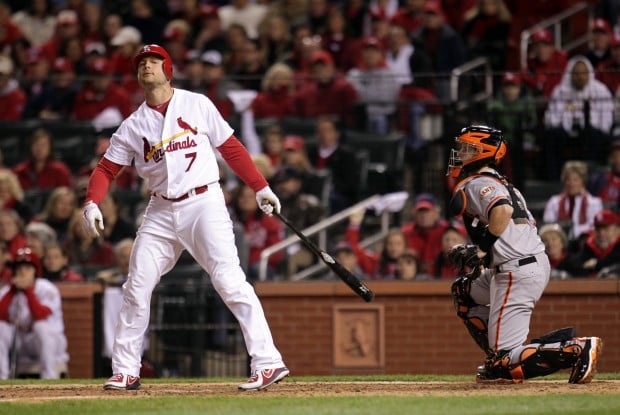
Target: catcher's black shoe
{"points": [[585, 366], [484, 377]]}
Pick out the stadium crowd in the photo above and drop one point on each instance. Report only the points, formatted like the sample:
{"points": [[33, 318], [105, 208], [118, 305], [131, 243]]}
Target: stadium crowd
{"points": [[335, 68]]}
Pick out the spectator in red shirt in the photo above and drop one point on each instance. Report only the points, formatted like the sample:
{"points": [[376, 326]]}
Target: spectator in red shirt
{"points": [[327, 93], [41, 171], [83, 249], [261, 231], [56, 265], [67, 27], [378, 265], [275, 100], [409, 15], [443, 267], [425, 231], [343, 48], [100, 93], [12, 97], [545, 64]]}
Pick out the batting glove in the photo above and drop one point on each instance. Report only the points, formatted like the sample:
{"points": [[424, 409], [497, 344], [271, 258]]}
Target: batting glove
{"points": [[92, 215], [267, 201]]}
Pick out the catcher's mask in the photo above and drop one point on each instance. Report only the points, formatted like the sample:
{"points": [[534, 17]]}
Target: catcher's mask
{"points": [[475, 146]]}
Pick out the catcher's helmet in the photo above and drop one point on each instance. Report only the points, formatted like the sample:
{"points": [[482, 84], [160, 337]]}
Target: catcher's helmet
{"points": [[474, 147], [26, 256], [155, 50]]}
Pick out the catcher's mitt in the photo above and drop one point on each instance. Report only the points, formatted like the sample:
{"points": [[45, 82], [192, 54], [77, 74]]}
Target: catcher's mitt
{"points": [[465, 256]]}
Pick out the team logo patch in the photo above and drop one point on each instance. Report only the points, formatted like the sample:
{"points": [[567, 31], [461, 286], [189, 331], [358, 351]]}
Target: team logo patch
{"points": [[485, 191]]}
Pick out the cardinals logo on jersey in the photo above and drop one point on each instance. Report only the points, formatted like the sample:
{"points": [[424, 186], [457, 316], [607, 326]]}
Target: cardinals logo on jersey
{"points": [[157, 151], [184, 125]]}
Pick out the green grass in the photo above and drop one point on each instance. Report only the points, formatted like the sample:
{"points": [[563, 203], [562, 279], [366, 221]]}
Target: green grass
{"points": [[494, 403]]}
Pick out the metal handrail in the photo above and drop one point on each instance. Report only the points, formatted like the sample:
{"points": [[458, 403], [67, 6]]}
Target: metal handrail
{"points": [[321, 228], [555, 21], [458, 72]]}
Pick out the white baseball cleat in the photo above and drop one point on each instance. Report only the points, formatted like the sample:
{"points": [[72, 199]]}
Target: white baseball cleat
{"points": [[122, 382], [263, 378]]}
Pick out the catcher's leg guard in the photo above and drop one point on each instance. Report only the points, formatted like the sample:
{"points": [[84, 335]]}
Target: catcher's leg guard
{"points": [[463, 303], [536, 359]]}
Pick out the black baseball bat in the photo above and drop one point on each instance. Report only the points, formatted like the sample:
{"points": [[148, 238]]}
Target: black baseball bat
{"points": [[344, 274]]}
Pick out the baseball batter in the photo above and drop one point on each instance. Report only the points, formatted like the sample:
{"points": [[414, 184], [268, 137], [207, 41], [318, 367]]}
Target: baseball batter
{"points": [[170, 139], [509, 271]]}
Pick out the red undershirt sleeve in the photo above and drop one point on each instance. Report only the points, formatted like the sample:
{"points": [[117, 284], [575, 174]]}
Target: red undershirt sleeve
{"points": [[5, 302], [100, 180], [38, 310], [239, 160]]}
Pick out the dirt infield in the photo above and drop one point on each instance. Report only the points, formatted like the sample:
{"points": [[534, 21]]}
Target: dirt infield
{"points": [[291, 387]]}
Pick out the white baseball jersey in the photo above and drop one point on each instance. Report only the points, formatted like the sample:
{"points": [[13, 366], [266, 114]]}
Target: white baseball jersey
{"points": [[158, 145], [47, 293]]}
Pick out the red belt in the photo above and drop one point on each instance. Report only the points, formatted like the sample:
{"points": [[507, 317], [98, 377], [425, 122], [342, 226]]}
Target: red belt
{"points": [[198, 190]]}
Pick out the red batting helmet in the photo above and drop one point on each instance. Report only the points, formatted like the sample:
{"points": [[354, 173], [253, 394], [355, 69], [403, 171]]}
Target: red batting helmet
{"points": [[155, 50], [26, 256]]}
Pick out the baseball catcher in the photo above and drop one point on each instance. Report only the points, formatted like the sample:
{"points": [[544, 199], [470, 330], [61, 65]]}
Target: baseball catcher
{"points": [[505, 271]]}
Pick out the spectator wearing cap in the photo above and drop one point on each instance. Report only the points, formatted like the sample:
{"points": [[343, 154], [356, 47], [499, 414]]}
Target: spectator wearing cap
{"points": [[30, 308], [574, 207], [514, 112], [607, 72], [275, 98], [296, 155], [36, 73], [191, 77], [600, 42], [376, 86], [123, 47], [345, 254], [37, 22], [326, 93], [545, 64], [67, 27], [381, 264], [56, 100], [605, 182], [441, 43], [409, 16], [578, 119], [424, 232], [339, 160], [217, 84], [12, 96], [600, 254], [94, 50], [301, 208], [101, 92], [486, 30]]}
